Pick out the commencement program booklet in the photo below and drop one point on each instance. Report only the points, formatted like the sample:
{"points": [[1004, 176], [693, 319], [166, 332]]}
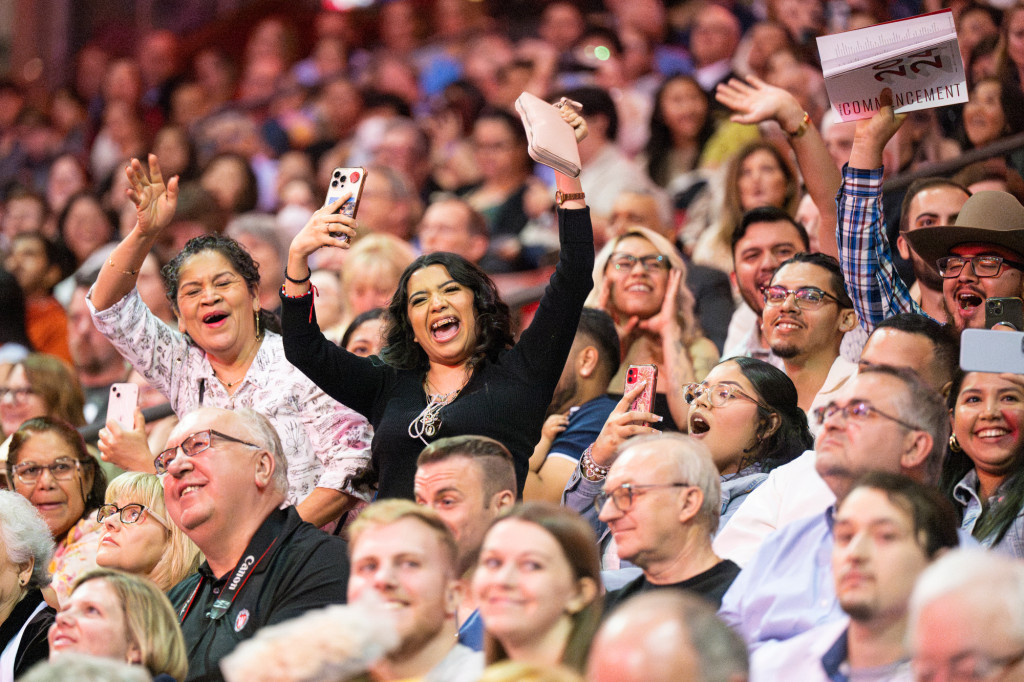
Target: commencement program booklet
{"points": [[918, 58]]}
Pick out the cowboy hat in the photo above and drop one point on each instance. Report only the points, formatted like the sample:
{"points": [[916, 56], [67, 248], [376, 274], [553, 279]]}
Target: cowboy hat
{"points": [[988, 217]]}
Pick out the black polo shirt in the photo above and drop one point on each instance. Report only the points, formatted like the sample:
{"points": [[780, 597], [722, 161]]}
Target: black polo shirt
{"points": [[303, 569]]}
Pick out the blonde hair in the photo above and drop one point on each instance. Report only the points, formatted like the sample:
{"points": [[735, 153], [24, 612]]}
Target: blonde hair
{"points": [[377, 257], [380, 250], [387, 512], [685, 302], [149, 619], [180, 556]]}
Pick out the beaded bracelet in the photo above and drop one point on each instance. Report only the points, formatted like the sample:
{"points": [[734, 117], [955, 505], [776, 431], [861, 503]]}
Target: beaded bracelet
{"points": [[591, 470], [312, 290]]}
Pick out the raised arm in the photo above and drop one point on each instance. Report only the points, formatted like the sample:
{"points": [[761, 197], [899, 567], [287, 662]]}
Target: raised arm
{"points": [[865, 254], [565, 184], [155, 202], [755, 101], [326, 227]]}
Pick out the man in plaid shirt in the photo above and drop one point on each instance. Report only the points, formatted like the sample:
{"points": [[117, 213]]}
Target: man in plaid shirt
{"points": [[978, 257]]}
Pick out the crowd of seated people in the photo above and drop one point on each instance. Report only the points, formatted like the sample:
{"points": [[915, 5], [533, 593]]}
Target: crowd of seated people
{"points": [[357, 461]]}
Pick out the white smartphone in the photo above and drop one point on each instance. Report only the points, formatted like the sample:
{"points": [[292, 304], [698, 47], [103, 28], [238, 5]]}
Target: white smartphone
{"points": [[124, 398], [343, 181], [988, 350]]}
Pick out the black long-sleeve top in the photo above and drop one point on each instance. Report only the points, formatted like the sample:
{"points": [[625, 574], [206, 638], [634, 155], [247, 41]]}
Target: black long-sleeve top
{"points": [[504, 399]]}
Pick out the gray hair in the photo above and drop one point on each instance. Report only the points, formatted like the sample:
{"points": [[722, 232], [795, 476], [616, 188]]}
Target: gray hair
{"points": [[922, 406], [262, 226], [694, 465], [84, 668], [263, 433], [983, 574], [25, 536]]}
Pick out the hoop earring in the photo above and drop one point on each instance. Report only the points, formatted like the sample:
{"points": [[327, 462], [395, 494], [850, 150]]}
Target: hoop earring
{"points": [[954, 444]]}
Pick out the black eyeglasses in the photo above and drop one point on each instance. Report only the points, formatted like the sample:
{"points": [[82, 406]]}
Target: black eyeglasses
{"points": [[981, 266], [625, 261], [807, 298], [625, 495], [17, 395], [130, 513], [62, 469], [858, 411], [718, 394], [193, 445]]}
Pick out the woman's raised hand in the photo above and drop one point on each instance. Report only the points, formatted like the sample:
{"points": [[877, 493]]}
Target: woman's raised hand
{"points": [[126, 449], [666, 320], [621, 425], [155, 201], [326, 227], [624, 328], [573, 118], [754, 101]]}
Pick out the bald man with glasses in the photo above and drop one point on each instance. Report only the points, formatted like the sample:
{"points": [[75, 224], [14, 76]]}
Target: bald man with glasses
{"points": [[661, 501], [225, 481]]}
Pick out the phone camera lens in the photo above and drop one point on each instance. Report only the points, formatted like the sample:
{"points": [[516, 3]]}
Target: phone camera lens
{"points": [[997, 308]]}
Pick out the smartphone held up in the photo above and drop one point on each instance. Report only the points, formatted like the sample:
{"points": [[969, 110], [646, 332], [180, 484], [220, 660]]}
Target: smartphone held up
{"points": [[636, 374], [346, 181]]}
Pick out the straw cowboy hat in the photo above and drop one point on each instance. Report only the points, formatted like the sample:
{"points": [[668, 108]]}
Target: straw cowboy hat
{"points": [[988, 217]]}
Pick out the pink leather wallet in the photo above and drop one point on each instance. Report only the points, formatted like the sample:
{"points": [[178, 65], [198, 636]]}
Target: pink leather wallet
{"points": [[552, 141]]}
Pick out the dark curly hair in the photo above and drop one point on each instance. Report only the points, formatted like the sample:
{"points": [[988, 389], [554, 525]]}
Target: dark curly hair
{"points": [[493, 321], [94, 497], [236, 255], [776, 390], [660, 144]]}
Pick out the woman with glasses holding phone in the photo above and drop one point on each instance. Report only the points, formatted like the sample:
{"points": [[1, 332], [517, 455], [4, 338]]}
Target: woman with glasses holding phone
{"points": [[746, 413], [137, 536], [48, 464], [640, 280]]}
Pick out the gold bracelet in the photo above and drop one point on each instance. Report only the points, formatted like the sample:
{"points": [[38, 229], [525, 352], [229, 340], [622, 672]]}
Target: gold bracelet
{"points": [[802, 128], [130, 273]]}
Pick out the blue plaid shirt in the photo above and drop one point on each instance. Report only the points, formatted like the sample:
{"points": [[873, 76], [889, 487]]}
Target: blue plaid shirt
{"points": [[874, 285]]}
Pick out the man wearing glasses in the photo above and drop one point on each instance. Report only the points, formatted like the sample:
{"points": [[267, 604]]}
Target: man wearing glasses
{"points": [[980, 256], [661, 501], [806, 315], [883, 419], [225, 479]]}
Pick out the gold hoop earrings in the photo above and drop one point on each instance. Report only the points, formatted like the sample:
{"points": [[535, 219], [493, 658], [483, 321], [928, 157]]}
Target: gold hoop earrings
{"points": [[954, 444]]}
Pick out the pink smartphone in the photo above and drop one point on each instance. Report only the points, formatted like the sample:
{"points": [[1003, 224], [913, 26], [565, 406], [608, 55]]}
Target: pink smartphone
{"points": [[636, 374], [124, 398], [343, 181]]}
